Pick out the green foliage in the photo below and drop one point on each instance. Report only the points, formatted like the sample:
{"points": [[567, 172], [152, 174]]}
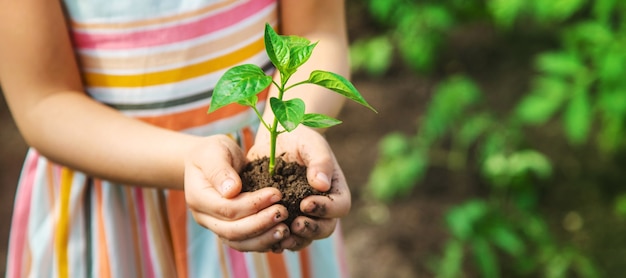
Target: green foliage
{"points": [[579, 88], [241, 84]]}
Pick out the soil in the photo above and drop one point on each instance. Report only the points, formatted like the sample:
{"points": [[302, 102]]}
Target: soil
{"points": [[290, 178]]}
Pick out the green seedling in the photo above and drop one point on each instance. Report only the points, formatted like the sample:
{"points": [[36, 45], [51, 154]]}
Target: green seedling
{"points": [[241, 84]]}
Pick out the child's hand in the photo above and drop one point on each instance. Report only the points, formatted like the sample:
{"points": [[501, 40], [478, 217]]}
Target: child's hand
{"points": [[246, 222], [306, 146]]}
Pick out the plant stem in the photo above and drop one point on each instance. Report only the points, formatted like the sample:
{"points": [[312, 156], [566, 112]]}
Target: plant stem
{"points": [[274, 128], [273, 136]]}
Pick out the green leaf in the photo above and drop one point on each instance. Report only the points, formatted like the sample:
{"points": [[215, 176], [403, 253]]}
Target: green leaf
{"points": [[450, 264], [485, 258], [290, 113], [372, 55], [506, 11], [338, 84], [463, 219], [602, 9], [503, 237], [449, 104], [397, 175], [300, 50], [319, 120], [540, 105], [277, 49], [525, 161], [559, 63], [619, 206], [578, 117], [239, 84]]}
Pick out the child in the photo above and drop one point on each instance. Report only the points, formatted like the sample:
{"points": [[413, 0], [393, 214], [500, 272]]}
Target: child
{"points": [[127, 175]]}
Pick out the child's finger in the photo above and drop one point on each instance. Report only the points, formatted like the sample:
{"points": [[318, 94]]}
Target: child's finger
{"points": [[336, 205], [318, 158], [243, 205], [244, 228], [312, 229], [219, 160], [267, 241]]}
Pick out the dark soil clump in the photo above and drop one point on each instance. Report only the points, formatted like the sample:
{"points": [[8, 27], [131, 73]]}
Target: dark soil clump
{"points": [[289, 178]]}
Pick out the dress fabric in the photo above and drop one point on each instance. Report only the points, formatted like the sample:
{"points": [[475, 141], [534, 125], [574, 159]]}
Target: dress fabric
{"points": [[157, 61]]}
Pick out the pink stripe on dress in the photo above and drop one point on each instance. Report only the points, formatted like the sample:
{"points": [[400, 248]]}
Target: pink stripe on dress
{"points": [[171, 34], [143, 230], [19, 224], [238, 265]]}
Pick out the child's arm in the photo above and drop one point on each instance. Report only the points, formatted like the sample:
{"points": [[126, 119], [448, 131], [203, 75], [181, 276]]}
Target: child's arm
{"points": [[321, 21], [42, 85]]}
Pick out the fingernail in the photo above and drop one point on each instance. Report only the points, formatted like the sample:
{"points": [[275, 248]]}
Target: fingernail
{"points": [[226, 186], [323, 177], [278, 217], [278, 234], [310, 208], [275, 198]]}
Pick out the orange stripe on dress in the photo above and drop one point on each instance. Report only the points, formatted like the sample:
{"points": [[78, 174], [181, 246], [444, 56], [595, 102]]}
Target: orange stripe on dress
{"points": [[104, 266], [177, 214], [278, 267], [61, 233], [305, 262], [197, 117], [176, 75], [248, 138]]}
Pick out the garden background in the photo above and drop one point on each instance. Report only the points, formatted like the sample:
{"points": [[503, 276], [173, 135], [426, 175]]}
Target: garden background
{"points": [[498, 149]]}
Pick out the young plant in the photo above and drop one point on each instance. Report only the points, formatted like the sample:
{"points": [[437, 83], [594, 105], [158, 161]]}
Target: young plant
{"points": [[241, 84]]}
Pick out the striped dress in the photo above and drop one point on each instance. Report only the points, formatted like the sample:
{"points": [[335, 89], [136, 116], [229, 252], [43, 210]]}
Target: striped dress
{"points": [[157, 61]]}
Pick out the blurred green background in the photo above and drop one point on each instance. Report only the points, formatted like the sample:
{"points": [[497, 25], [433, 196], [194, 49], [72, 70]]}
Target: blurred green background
{"points": [[499, 147]]}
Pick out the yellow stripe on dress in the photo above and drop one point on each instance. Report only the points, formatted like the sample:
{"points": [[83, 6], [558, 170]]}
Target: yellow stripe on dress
{"points": [[175, 75], [61, 235]]}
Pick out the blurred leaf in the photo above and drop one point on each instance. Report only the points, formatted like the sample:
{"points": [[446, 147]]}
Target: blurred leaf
{"points": [[530, 161], [496, 169], [620, 206], [502, 236], [450, 264], [590, 32], [449, 102], [610, 64], [584, 267], [462, 219], [603, 9], [540, 105], [505, 12], [556, 10], [384, 9], [485, 258], [372, 55], [557, 266], [394, 144], [611, 135], [562, 64], [578, 118], [396, 175], [501, 169], [473, 128]]}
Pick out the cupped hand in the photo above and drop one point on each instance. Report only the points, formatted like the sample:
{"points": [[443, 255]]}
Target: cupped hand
{"points": [[307, 147], [248, 221]]}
